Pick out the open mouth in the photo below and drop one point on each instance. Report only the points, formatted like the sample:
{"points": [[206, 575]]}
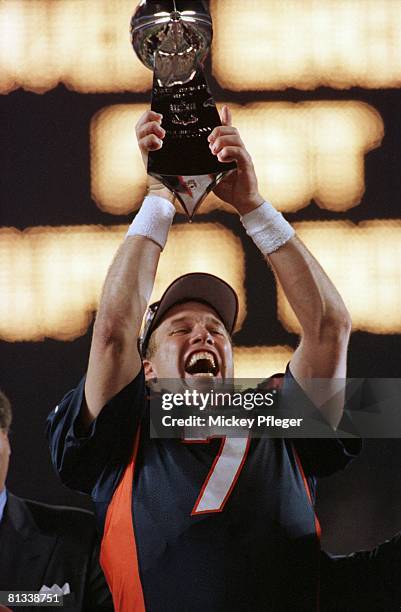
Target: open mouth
{"points": [[201, 364]]}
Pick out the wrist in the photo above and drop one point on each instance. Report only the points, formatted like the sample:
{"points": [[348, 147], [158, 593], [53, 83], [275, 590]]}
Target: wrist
{"points": [[164, 193], [153, 220], [267, 228], [250, 204], [158, 189]]}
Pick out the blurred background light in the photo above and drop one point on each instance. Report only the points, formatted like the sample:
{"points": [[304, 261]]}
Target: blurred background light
{"points": [[84, 44], [118, 177], [310, 150], [364, 262], [271, 44], [260, 361], [51, 278], [304, 151]]}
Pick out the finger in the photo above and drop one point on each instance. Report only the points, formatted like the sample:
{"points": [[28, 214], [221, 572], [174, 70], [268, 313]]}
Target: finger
{"points": [[148, 116], [222, 130], [225, 115], [237, 154], [150, 127], [150, 143], [231, 140]]}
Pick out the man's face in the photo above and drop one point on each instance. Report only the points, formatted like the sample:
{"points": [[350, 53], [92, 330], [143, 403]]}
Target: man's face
{"points": [[191, 342], [5, 452]]}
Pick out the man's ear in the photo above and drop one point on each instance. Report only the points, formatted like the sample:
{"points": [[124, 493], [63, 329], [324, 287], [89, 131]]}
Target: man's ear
{"points": [[5, 452], [150, 372]]}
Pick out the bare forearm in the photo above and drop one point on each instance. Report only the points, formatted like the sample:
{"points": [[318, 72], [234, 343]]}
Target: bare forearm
{"points": [[320, 361], [128, 286], [114, 359], [316, 302]]}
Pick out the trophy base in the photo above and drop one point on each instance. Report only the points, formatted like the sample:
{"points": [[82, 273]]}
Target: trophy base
{"points": [[191, 190]]}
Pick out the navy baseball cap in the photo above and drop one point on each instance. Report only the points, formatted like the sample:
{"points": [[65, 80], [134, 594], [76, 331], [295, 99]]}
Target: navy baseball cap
{"points": [[193, 287]]}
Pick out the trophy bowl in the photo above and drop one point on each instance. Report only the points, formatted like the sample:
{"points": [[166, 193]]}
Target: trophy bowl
{"points": [[151, 21]]}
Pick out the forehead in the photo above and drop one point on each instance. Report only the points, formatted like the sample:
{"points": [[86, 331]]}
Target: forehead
{"points": [[190, 310]]}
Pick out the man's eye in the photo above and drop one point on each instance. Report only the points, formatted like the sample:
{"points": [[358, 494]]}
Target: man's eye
{"points": [[181, 330], [217, 331]]}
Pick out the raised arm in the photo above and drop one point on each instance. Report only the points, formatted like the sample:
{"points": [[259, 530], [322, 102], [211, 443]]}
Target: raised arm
{"points": [[114, 359], [321, 312], [319, 364]]}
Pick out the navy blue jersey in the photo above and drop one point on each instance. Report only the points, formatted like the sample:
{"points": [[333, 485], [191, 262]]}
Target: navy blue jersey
{"points": [[201, 543]]}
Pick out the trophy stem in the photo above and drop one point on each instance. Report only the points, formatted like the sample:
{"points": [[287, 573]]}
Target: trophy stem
{"points": [[185, 164]]}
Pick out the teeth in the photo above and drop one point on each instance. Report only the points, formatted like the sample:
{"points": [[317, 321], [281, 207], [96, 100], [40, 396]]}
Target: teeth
{"points": [[203, 375], [201, 355]]}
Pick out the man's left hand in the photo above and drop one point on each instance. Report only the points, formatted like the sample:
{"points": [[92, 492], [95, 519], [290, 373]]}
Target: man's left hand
{"points": [[239, 187]]}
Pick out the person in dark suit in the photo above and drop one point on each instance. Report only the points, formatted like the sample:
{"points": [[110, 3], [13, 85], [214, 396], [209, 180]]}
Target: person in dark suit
{"points": [[43, 546], [364, 580]]}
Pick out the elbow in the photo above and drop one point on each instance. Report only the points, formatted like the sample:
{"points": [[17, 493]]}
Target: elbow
{"points": [[332, 326], [335, 327]]}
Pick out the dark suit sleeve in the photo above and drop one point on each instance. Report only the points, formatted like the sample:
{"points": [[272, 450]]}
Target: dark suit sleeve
{"points": [[383, 563], [323, 452], [364, 580], [82, 460]]}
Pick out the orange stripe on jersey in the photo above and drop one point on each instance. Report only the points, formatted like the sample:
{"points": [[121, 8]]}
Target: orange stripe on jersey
{"points": [[317, 524], [118, 554], [301, 469]]}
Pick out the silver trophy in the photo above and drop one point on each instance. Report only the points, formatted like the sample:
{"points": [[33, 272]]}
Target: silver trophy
{"points": [[173, 38]]}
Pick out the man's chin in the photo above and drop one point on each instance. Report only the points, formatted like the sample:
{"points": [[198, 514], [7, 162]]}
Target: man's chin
{"points": [[202, 381]]}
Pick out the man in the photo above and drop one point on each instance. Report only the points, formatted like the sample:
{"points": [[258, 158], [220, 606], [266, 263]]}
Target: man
{"points": [[223, 524], [43, 546]]}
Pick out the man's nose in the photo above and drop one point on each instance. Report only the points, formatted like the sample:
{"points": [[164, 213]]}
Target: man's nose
{"points": [[201, 334]]}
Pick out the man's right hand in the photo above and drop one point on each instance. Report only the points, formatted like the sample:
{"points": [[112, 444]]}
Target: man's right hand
{"points": [[150, 134]]}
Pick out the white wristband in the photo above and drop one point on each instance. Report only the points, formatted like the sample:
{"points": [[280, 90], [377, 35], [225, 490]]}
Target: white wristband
{"points": [[153, 220], [267, 228]]}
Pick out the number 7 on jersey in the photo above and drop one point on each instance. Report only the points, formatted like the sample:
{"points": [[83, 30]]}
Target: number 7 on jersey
{"points": [[222, 475]]}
